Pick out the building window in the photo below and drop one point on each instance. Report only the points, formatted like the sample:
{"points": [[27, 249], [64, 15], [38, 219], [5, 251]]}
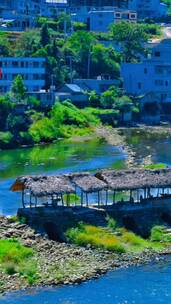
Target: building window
{"points": [[158, 70], [145, 71], [166, 83], [139, 85], [36, 64], [157, 54], [159, 82], [35, 76]]}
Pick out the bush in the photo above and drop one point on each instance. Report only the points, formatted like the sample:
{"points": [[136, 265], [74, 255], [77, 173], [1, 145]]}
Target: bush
{"points": [[157, 233], [16, 258], [97, 237], [111, 223]]}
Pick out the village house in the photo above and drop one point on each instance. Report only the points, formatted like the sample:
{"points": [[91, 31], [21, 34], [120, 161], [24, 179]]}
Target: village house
{"points": [[151, 79], [100, 20], [32, 71], [148, 8]]}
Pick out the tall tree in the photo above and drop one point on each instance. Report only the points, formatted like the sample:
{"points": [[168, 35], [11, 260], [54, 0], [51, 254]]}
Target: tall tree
{"points": [[131, 37], [44, 35], [18, 90]]}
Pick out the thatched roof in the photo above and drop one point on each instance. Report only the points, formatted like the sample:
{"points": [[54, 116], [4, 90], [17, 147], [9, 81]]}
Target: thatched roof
{"points": [[105, 179], [135, 179], [89, 183], [44, 185]]}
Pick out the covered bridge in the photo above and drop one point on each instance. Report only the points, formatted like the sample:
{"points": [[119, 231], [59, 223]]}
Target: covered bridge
{"points": [[135, 185]]}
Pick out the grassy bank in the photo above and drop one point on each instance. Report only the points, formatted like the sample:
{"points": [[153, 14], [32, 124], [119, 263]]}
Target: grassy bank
{"points": [[117, 240], [35, 260], [17, 259]]}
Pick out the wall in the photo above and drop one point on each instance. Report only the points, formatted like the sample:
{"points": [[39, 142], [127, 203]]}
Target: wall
{"points": [[139, 217]]}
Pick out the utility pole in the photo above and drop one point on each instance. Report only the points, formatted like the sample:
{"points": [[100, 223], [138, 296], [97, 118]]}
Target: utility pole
{"points": [[71, 68]]}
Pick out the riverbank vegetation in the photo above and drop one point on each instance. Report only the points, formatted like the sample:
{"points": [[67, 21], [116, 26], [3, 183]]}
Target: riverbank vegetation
{"points": [[115, 239], [17, 259], [35, 260], [23, 121]]}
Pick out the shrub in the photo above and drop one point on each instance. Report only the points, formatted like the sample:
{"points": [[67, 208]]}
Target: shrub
{"points": [[157, 234], [97, 237], [111, 223], [16, 258]]}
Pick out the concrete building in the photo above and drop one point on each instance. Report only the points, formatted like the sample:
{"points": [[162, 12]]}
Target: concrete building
{"points": [[148, 8], [74, 93], [99, 85], [152, 74], [100, 21], [53, 8], [151, 80], [98, 3], [31, 69]]}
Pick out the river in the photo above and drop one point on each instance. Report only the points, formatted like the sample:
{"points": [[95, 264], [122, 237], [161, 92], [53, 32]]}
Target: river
{"points": [[148, 284]]}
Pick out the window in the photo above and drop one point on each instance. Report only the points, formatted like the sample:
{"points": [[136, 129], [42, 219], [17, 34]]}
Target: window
{"points": [[145, 70], [15, 64], [36, 64], [35, 76], [159, 70], [157, 54], [139, 85], [159, 82]]}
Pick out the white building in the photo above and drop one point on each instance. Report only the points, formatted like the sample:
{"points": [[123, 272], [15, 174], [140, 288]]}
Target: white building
{"points": [[32, 71], [152, 74], [100, 21], [148, 8]]}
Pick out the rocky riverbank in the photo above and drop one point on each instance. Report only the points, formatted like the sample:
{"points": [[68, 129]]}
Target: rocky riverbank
{"points": [[61, 263]]}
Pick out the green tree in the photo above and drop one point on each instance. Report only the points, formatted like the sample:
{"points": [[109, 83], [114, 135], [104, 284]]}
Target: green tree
{"points": [[5, 48], [44, 35], [131, 37], [79, 46], [108, 98], [5, 108], [104, 60], [27, 43], [18, 90]]}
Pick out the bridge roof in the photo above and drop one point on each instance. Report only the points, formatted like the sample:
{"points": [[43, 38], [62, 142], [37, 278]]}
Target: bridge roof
{"points": [[135, 178], [105, 179]]}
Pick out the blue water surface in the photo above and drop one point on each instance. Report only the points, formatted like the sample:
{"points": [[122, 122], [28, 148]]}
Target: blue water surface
{"points": [[150, 284]]}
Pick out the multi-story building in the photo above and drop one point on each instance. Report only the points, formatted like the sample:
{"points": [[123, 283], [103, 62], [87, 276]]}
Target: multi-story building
{"points": [[98, 3], [152, 75], [32, 71], [148, 8], [100, 21]]}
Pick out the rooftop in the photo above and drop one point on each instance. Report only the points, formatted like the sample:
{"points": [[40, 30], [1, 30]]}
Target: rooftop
{"points": [[105, 179]]}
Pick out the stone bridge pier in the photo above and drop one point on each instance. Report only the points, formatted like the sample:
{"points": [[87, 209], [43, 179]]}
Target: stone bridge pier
{"points": [[138, 217]]}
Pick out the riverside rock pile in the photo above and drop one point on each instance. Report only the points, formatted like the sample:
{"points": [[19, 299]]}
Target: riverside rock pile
{"points": [[61, 263]]}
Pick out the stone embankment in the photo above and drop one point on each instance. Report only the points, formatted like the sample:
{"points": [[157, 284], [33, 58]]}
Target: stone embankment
{"points": [[61, 263], [113, 137]]}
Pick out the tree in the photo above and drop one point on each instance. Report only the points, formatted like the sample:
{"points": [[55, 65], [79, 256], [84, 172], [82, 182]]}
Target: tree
{"points": [[104, 60], [44, 35], [109, 97], [18, 90], [5, 48], [79, 46], [5, 108], [131, 37], [27, 43]]}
